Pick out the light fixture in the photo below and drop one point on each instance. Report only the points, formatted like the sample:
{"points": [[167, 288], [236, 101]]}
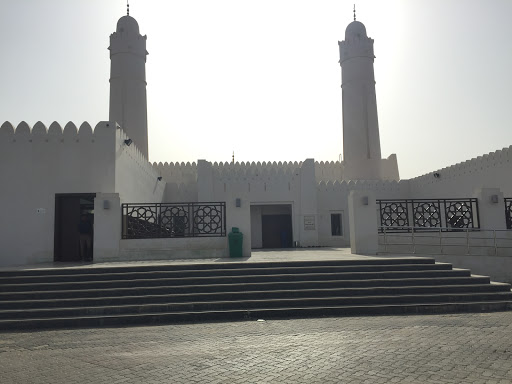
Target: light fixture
{"points": [[159, 178], [128, 142]]}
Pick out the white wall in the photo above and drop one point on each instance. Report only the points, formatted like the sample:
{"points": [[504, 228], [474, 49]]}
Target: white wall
{"points": [[34, 166], [136, 180], [332, 198], [259, 184], [172, 249], [181, 181]]}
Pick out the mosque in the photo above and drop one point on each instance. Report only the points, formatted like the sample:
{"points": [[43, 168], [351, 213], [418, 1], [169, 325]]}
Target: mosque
{"points": [[52, 176]]}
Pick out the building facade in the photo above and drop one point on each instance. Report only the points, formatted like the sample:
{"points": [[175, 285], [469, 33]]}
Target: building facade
{"points": [[54, 175]]}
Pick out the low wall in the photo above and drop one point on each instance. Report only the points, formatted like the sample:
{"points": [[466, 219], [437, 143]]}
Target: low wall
{"points": [[498, 268], [173, 249], [483, 258]]}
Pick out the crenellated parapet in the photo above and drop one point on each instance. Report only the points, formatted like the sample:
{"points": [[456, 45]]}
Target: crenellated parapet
{"points": [[256, 171], [329, 171], [268, 165], [178, 173], [373, 185], [384, 189], [55, 132], [478, 165], [70, 147]]}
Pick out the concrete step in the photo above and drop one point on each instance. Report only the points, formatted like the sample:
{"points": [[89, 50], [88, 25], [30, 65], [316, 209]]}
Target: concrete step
{"points": [[172, 306], [92, 292], [233, 264], [98, 284], [55, 276], [265, 313], [219, 295], [146, 294]]}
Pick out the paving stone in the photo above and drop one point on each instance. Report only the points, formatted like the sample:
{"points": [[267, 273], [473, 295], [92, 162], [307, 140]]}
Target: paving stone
{"points": [[469, 348]]}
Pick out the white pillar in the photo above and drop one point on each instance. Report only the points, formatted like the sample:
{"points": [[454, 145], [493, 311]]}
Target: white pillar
{"points": [[204, 181], [308, 213], [362, 212], [128, 103], [107, 226]]}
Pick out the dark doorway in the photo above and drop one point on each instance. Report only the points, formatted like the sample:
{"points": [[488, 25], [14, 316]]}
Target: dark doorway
{"points": [[276, 231], [69, 209]]}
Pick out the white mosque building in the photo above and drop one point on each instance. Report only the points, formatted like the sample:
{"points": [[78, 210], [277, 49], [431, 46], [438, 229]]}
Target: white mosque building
{"points": [[52, 175]]}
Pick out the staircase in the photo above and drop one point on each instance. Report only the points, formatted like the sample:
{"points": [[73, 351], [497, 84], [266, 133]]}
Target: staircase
{"points": [[151, 294]]}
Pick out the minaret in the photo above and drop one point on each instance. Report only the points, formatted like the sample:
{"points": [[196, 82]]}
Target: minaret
{"points": [[128, 105], [361, 143]]}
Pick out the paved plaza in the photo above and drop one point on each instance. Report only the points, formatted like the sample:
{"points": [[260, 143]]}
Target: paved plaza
{"points": [[465, 348]]}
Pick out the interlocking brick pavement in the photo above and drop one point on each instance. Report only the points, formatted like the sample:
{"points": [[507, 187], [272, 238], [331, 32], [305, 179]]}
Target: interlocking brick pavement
{"points": [[465, 348]]}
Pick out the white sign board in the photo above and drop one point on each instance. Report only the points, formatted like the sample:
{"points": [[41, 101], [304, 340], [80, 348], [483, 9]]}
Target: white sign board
{"points": [[309, 223]]}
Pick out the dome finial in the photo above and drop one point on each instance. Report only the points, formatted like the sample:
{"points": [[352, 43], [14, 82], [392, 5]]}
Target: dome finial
{"points": [[354, 12], [128, 8]]}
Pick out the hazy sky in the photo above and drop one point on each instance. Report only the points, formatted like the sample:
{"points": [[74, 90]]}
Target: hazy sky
{"points": [[262, 77]]}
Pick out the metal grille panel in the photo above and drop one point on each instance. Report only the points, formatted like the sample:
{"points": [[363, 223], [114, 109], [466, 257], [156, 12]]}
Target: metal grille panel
{"points": [[168, 220], [428, 214], [508, 212]]}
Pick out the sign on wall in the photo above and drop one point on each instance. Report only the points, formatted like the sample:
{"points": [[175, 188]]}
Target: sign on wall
{"points": [[309, 223]]}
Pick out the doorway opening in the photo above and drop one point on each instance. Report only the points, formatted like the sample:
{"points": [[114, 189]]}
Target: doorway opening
{"points": [[74, 223], [271, 226]]}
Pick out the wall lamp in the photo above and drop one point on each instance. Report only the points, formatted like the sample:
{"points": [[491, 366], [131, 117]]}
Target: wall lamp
{"points": [[159, 178], [128, 142], [437, 175]]}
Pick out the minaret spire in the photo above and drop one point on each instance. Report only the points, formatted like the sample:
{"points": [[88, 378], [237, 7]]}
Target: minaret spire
{"points": [[128, 101], [128, 8], [354, 12], [361, 142]]}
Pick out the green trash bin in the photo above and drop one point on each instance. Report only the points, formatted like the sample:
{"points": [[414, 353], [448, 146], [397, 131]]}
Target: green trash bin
{"points": [[235, 238]]}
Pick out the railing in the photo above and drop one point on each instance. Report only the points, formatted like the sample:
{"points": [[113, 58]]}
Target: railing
{"points": [[169, 220], [444, 241], [428, 214], [508, 212]]}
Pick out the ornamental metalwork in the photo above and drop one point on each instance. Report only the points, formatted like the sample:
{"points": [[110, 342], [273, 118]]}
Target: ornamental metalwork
{"points": [[393, 213], [459, 214], [508, 212], [174, 220], [428, 214], [207, 219], [168, 220]]}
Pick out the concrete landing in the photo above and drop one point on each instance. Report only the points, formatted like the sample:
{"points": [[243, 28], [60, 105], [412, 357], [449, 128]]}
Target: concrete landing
{"points": [[267, 255]]}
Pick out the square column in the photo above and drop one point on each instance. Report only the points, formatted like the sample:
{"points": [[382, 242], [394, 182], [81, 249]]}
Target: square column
{"points": [[362, 212]]}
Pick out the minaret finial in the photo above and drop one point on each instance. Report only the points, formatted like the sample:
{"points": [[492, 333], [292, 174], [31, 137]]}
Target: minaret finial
{"points": [[233, 161], [354, 12], [127, 7]]}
